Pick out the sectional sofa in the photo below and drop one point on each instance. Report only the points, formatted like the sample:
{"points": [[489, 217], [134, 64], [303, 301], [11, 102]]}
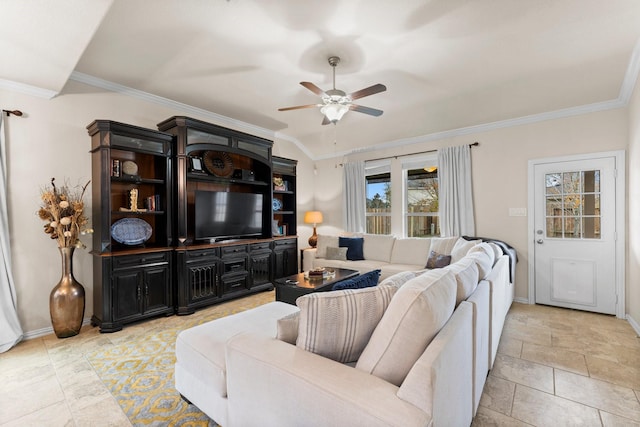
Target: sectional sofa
{"points": [[413, 351]]}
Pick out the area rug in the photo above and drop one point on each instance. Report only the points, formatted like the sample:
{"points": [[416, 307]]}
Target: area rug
{"points": [[139, 373]]}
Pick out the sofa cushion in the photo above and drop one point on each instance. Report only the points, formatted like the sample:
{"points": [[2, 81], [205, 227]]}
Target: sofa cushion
{"points": [[378, 247], [338, 325], [323, 243], [467, 278], [411, 250], [497, 251], [354, 247], [443, 245], [204, 345], [438, 260], [461, 248], [336, 253], [365, 280], [415, 315], [288, 328], [400, 279], [484, 256]]}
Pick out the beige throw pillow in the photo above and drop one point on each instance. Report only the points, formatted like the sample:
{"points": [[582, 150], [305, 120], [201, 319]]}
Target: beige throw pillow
{"points": [[416, 313], [323, 243], [339, 254], [338, 324], [288, 328]]}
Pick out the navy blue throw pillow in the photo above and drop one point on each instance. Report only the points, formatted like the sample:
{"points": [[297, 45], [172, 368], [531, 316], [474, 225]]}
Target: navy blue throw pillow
{"points": [[354, 247], [365, 280]]}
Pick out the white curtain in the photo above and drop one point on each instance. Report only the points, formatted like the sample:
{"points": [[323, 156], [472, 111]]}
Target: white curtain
{"points": [[10, 329], [455, 191], [354, 197]]}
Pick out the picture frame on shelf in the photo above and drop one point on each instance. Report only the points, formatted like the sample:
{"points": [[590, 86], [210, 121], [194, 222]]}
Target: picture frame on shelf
{"points": [[196, 165]]}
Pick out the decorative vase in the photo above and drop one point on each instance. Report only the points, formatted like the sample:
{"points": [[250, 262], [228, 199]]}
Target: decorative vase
{"points": [[66, 302]]}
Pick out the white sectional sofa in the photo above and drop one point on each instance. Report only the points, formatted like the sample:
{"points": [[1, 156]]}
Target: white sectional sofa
{"points": [[413, 351]]}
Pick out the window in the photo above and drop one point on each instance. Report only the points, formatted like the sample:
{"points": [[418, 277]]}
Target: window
{"points": [[378, 188], [421, 199], [573, 205]]}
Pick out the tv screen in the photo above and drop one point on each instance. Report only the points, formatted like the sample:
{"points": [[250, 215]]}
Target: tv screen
{"points": [[226, 215]]}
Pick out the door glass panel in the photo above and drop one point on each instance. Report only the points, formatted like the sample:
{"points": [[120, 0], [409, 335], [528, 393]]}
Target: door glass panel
{"points": [[554, 226], [554, 206], [552, 182], [573, 205]]}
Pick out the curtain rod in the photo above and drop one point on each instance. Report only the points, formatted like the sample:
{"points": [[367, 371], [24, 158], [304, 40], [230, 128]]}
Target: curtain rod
{"points": [[475, 144], [14, 112]]}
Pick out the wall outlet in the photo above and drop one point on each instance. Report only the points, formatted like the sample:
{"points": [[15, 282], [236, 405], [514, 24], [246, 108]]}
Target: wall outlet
{"points": [[517, 211]]}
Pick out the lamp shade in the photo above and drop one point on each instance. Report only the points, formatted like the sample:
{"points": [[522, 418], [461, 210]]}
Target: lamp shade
{"points": [[313, 217], [334, 111]]}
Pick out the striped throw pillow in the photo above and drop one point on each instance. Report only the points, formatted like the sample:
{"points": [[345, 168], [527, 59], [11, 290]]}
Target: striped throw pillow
{"points": [[338, 324]]}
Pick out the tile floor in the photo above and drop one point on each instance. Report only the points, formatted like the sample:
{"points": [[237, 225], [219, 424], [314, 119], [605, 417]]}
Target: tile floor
{"points": [[555, 367]]}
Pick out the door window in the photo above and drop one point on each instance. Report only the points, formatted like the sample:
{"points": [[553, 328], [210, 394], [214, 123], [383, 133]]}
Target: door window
{"points": [[573, 205]]}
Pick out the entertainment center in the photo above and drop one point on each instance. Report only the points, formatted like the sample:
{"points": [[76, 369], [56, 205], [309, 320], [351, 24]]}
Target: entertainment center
{"points": [[186, 216]]}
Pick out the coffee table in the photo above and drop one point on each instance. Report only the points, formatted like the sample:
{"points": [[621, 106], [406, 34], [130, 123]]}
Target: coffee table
{"points": [[289, 288]]}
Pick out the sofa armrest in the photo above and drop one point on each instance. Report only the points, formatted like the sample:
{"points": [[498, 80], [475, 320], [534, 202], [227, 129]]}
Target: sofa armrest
{"points": [[308, 257], [272, 383], [441, 381]]}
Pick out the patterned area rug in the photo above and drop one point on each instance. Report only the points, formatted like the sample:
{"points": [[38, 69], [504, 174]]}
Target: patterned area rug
{"points": [[139, 371]]}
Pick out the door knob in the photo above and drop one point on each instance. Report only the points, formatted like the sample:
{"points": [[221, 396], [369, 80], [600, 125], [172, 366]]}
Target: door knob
{"points": [[539, 241]]}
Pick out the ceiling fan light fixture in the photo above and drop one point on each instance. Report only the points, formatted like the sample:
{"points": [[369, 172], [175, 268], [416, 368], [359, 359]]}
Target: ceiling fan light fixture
{"points": [[334, 112]]}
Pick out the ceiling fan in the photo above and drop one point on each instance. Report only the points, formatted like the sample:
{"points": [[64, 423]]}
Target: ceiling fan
{"points": [[335, 102]]}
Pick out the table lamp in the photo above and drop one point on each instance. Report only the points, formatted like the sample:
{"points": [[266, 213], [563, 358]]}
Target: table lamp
{"points": [[313, 217]]}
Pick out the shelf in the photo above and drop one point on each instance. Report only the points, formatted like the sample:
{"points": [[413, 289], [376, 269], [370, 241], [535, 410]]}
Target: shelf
{"points": [[282, 192], [136, 180], [209, 178], [138, 213], [283, 212]]}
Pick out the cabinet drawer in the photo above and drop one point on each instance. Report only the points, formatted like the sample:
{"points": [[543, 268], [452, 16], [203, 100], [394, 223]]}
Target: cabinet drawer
{"points": [[235, 266], [229, 251], [260, 247], [283, 244], [234, 284], [139, 260], [202, 253]]}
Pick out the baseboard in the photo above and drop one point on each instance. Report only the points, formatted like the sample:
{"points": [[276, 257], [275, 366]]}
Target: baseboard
{"points": [[521, 300], [46, 331], [634, 324]]}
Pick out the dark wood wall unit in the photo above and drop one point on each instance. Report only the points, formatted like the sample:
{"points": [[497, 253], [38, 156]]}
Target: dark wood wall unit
{"points": [[172, 271]]}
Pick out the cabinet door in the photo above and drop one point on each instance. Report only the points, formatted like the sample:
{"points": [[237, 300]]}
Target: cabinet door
{"points": [[157, 291], [127, 295], [285, 262], [203, 280], [260, 269]]}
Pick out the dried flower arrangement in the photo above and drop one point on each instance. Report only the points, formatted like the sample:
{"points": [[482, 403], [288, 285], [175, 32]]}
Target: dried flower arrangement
{"points": [[63, 211]]}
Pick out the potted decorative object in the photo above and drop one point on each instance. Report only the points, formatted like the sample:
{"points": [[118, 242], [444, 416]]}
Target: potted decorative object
{"points": [[62, 209]]}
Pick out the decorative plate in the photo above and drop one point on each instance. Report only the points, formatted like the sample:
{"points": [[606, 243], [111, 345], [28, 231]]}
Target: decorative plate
{"points": [[129, 167], [131, 231], [218, 163], [277, 204]]}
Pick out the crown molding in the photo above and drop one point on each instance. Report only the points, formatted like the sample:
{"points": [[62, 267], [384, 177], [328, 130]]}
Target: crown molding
{"points": [[169, 103], [27, 89]]}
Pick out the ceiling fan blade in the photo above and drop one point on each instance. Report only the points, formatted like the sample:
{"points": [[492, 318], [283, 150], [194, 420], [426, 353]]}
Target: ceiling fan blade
{"points": [[299, 107], [325, 121], [371, 90], [313, 88], [366, 110]]}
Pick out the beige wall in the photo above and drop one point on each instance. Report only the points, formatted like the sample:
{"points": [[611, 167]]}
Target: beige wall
{"points": [[51, 140], [633, 203], [500, 171]]}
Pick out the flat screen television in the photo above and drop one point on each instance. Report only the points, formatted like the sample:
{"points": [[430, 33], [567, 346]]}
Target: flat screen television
{"points": [[227, 215]]}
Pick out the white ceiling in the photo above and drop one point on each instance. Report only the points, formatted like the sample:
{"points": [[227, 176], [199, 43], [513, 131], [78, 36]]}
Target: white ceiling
{"points": [[447, 64]]}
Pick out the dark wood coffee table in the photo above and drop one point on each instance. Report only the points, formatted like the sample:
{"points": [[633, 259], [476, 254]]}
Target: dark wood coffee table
{"points": [[289, 288]]}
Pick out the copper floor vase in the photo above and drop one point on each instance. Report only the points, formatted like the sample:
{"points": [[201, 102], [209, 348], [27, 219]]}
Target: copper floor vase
{"points": [[66, 302]]}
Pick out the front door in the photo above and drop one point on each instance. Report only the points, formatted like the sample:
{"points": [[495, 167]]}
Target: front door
{"points": [[575, 234]]}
